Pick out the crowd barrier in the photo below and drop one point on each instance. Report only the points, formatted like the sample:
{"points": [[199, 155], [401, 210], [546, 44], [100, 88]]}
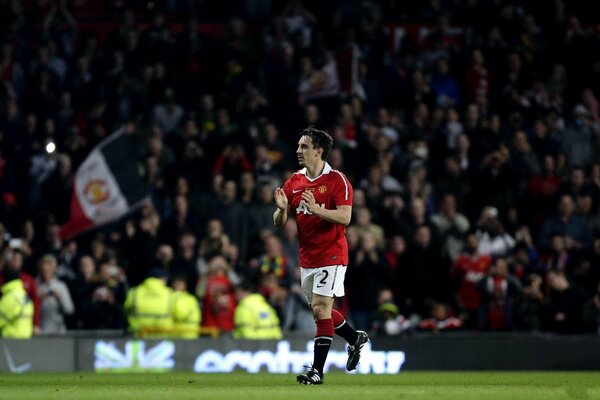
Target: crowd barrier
{"points": [[106, 354]]}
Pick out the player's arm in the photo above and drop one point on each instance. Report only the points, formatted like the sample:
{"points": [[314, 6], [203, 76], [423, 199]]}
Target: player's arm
{"points": [[341, 215], [280, 215]]}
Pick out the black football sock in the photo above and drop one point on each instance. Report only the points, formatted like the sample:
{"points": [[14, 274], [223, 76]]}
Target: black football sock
{"points": [[323, 340], [347, 332], [322, 345], [343, 328]]}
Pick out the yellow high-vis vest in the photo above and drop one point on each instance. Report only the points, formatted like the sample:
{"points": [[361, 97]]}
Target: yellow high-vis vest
{"points": [[149, 309], [255, 319], [186, 316], [16, 311]]}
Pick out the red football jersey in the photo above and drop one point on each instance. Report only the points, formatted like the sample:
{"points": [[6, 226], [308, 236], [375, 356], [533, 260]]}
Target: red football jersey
{"points": [[470, 270], [322, 243]]}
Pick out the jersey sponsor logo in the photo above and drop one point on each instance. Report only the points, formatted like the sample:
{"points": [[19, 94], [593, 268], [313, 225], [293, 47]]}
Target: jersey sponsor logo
{"points": [[473, 276], [296, 191], [301, 209], [322, 189]]}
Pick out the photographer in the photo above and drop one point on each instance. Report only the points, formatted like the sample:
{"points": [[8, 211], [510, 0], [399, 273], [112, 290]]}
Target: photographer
{"points": [[55, 299]]}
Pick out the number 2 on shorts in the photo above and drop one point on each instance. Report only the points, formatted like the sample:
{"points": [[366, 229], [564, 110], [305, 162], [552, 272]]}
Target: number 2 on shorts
{"points": [[323, 281]]}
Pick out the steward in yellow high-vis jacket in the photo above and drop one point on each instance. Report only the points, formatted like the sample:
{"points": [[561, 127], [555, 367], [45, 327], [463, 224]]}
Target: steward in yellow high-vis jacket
{"points": [[16, 309], [149, 307], [254, 318], [186, 311]]}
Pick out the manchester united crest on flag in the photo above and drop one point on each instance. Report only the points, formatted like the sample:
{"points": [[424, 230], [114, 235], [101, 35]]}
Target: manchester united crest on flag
{"points": [[107, 185]]}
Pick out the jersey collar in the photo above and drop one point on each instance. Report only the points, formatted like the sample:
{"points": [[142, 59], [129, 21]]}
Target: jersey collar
{"points": [[326, 170]]}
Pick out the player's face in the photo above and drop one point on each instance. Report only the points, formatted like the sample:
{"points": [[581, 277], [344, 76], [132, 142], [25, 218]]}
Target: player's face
{"points": [[306, 152]]}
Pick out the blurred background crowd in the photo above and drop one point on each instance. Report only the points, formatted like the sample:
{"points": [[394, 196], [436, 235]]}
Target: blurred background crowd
{"points": [[470, 130]]}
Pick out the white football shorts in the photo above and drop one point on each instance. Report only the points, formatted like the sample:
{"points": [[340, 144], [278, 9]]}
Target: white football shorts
{"points": [[326, 281]]}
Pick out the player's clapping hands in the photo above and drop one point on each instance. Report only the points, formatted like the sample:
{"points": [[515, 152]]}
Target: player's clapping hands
{"points": [[309, 200], [281, 200]]}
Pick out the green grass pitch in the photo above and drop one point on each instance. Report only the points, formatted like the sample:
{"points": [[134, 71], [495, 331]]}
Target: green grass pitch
{"points": [[243, 386]]}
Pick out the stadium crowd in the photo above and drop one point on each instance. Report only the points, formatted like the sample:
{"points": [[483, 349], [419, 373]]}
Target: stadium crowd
{"points": [[469, 129]]}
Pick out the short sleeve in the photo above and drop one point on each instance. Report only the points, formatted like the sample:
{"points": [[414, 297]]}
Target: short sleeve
{"points": [[287, 188], [343, 190]]}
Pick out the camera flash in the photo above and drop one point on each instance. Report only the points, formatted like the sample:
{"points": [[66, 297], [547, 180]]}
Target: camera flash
{"points": [[50, 147]]}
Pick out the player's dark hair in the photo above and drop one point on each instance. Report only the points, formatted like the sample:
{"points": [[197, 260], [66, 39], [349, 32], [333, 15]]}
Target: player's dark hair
{"points": [[320, 139]]}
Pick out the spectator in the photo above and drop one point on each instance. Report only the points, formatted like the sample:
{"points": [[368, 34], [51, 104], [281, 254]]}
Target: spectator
{"points": [[247, 186], [16, 260], [444, 87], [468, 269], [389, 322], [578, 139], [591, 312], [455, 180], [493, 240], [186, 310], [111, 276], [233, 215], [297, 315], [525, 257], [216, 293], [273, 262], [422, 277], [563, 309], [260, 213], [149, 306], [184, 263], [82, 287], [451, 225], [440, 319], [254, 317], [290, 243], [55, 299], [367, 272], [232, 162], [529, 304], [558, 257], [364, 226], [541, 190], [16, 312], [165, 257], [498, 290], [103, 310], [182, 220], [568, 225], [395, 254], [168, 115]]}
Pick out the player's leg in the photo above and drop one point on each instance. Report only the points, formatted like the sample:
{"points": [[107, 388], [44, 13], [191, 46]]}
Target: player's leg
{"points": [[342, 328], [356, 339], [321, 307], [317, 287]]}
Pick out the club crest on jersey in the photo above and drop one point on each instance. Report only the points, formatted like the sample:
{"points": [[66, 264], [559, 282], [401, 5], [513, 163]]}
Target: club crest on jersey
{"points": [[322, 189]]}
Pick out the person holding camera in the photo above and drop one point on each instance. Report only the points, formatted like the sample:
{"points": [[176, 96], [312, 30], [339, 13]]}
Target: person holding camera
{"points": [[55, 299]]}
